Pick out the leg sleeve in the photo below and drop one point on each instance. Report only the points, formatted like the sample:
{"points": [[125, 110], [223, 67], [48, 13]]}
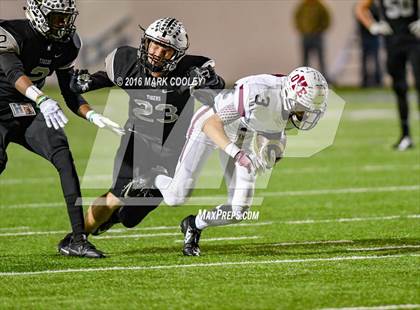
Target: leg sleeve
{"points": [[52, 145]]}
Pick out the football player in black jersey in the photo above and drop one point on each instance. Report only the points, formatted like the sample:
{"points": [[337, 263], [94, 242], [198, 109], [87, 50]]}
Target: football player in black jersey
{"points": [[401, 28], [160, 110], [30, 50]]}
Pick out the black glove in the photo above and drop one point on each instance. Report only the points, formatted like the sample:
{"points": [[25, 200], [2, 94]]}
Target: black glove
{"points": [[80, 81], [203, 77]]}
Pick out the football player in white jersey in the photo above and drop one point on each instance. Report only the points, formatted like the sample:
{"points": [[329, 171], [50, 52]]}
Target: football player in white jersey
{"points": [[259, 107]]}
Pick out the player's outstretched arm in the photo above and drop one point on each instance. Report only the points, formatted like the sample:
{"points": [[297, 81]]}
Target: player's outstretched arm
{"points": [[81, 107], [82, 81]]}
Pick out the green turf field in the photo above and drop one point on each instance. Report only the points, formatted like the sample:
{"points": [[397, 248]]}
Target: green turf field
{"points": [[340, 229]]}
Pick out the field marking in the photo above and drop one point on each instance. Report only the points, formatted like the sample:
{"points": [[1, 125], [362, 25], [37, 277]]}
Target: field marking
{"points": [[365, 168], [138, 236], [221, 264], [224, 239], [309, 242], [198, 200], [353, 219], [14, 228], [350, 190], [386, 248], [385, 307], [297, 222]]}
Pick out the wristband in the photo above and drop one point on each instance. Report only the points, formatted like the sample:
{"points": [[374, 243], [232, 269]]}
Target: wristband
{"points": [[232, 150], [41, 99], [89, 115], [33, 93]]}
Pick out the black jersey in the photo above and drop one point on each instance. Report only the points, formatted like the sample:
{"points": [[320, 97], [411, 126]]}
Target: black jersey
{"points": [[399, 14], [36, 57], [159, 108]]}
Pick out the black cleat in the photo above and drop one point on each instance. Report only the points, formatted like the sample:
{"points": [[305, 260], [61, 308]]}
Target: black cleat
{"points": [[79, 248], [404, 144], [191, 236], [114, 219]]}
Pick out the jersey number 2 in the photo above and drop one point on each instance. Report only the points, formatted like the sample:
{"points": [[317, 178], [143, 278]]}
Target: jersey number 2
{"points": [[2, 40]]}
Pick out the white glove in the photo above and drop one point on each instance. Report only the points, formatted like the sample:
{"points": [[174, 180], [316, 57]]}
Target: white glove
{"points": [[104, 122], [380, 28], [415, 28], [54, 116]]}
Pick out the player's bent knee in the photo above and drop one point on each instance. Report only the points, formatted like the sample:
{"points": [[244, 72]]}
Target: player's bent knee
{"points": [[239, 212], [175, 201], [112, 201]]}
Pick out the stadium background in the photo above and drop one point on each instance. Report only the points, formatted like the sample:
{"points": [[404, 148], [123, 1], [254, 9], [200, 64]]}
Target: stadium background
{"points": [[339, 229], [244, 37]]}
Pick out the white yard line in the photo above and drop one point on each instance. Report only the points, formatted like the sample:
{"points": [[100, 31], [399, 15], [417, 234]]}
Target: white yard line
{"points": [[138, 236], [202, 199], [366, 168], [297, 222], [14, 228], [225, 239], [309, 242], [205, 265], [353, 219], [386, 248], [350, 190], [384, 307]]}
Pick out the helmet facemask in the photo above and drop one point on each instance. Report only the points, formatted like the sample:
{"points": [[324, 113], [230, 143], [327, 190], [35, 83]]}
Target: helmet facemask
{"points": [[305, 97], [166, 32], [164, 65]]}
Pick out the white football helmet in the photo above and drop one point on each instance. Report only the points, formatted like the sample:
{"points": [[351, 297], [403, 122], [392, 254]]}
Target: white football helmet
{"points": [[167, 32], [305, 95], [54, 19]]}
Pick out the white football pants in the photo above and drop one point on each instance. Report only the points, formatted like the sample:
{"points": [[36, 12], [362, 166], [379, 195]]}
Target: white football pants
{"points": [[197, 150]]}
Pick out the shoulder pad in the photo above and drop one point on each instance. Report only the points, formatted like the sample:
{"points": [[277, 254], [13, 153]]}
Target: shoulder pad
{"points": [[8, 43], [189, 61], [77, 41], [109, 64]]}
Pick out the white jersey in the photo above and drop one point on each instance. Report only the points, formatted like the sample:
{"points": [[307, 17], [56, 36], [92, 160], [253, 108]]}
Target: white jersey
{"points": [[257, 100]]}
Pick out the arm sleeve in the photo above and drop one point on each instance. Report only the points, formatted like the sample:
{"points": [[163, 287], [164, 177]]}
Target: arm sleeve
{"points": [[12, 67], [100, 80], [73, 101]]}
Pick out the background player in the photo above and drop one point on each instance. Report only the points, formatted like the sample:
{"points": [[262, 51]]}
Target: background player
{"points": [[259, 107], [31, 50], [159, 114], [401, 29]]}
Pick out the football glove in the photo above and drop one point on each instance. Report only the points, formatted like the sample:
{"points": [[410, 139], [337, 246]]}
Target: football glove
{"points": [[251, 162], [380, 28], [104, 122], [270, 151], [80, 81], [415, 28], [54, 116]]}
